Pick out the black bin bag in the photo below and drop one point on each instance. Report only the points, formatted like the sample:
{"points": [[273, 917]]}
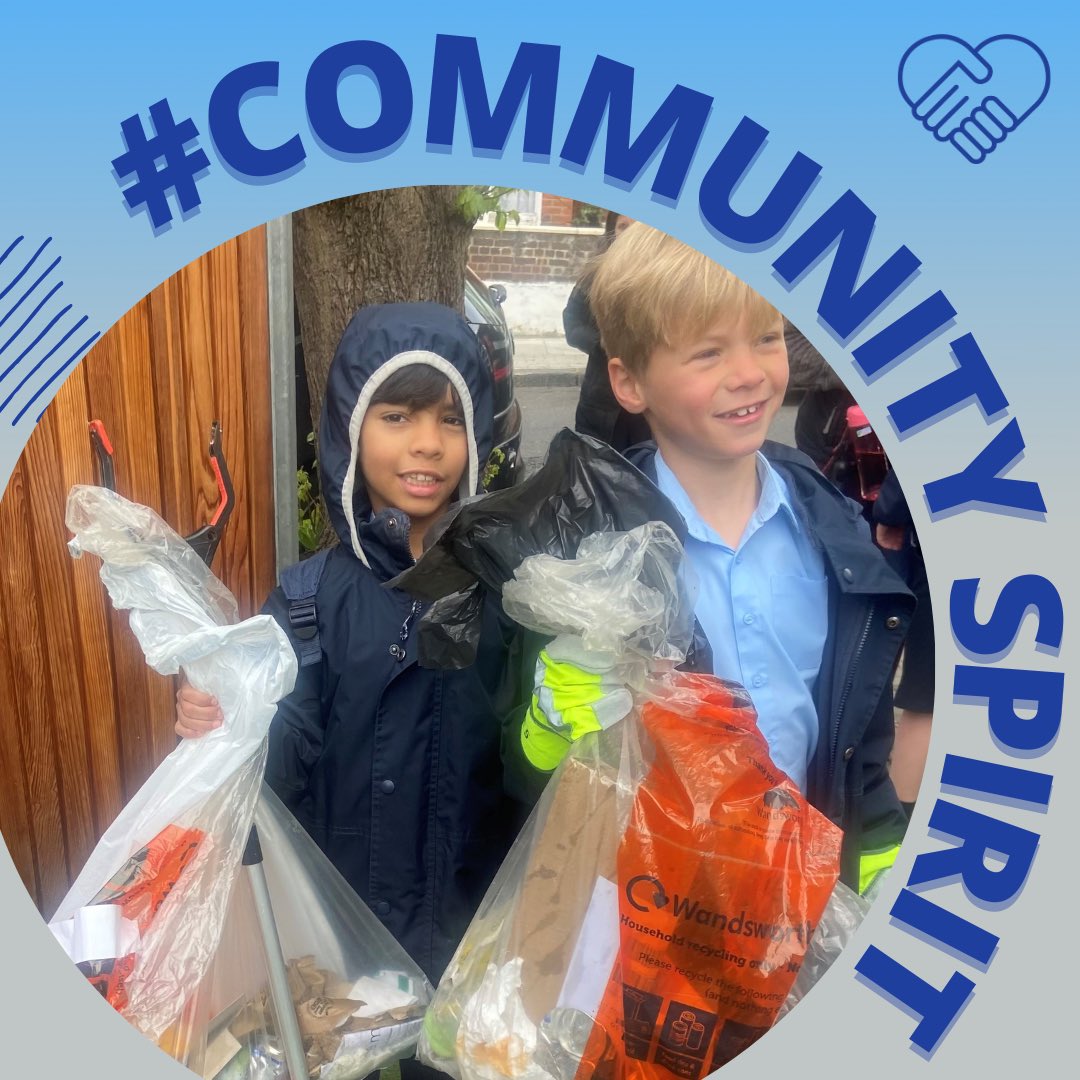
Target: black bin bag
{"points": [[584, 487]]}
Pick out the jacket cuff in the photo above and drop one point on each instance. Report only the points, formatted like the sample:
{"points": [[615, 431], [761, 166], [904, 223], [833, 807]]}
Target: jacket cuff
{"points": [[872, 864]]}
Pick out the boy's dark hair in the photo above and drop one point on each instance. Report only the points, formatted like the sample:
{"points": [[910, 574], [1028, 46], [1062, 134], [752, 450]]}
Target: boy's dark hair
{"points": [[417, 386]]}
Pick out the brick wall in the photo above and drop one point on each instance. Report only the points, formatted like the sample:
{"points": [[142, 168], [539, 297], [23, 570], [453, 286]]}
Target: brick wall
{"points": [[532, 254], [556, 210]]}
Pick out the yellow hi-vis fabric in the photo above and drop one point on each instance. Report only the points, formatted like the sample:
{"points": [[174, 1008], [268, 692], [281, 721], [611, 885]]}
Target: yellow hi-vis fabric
{"points": [[576, 691], [872, 863]]}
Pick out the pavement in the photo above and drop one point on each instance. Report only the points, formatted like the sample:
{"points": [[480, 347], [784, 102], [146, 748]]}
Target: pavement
{"points": [[547, 361]]}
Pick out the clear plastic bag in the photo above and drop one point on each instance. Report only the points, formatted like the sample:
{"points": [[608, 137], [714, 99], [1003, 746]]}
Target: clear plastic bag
{"points": [[145, 914], [181, 909], [627, 593], [843, 915], [653, 915], [357, 997]]}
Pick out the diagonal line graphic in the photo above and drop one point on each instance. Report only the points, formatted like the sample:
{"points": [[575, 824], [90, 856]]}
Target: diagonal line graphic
{"points": [[14, 363], [15, 307], [22, 382], [19, 276], [55, 375], [11, 247], [40, 308]]}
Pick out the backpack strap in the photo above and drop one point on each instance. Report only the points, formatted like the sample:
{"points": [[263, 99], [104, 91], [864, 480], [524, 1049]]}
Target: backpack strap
{"points": [[300, 584]]}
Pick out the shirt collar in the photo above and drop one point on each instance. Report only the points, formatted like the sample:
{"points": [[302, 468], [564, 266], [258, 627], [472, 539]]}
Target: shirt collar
{"points": [[775, 498]]}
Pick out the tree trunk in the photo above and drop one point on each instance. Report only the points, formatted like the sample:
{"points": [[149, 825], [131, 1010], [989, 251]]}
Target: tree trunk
{"points": [[387, 246]]}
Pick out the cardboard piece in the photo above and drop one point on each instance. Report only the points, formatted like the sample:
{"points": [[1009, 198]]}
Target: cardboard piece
{"points": [[576, 845]]}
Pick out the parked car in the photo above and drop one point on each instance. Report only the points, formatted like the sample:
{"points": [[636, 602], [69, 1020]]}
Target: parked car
{"points": [[483, 312]]}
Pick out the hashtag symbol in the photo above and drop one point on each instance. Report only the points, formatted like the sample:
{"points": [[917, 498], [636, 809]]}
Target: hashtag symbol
{"points": [[178, 168]]}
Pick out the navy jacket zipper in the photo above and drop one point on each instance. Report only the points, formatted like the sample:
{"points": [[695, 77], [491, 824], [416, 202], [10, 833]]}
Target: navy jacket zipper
{"points": [[848, 684]]}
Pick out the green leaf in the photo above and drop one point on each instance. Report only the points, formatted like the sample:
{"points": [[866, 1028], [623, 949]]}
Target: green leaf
{"points": [[473, 202]]}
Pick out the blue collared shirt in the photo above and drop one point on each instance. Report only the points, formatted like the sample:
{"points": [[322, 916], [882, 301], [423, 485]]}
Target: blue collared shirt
{"points": [[764, 607]]}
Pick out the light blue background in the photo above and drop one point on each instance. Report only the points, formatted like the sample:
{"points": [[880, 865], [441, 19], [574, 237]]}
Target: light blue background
{"points": [[999, 239]]}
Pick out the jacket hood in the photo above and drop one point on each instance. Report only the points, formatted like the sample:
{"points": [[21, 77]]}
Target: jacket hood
{"points": [[378, 342]]}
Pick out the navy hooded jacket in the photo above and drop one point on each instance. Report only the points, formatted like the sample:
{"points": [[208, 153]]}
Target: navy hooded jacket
{"points": [[394, 769]]}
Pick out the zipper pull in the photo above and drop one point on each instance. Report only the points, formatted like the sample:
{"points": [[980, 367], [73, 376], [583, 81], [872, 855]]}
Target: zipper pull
{"points": [[405, 626], [397, 651]]}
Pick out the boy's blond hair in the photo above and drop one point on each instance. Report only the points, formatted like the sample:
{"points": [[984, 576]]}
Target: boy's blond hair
{"points": [[651, 290]]}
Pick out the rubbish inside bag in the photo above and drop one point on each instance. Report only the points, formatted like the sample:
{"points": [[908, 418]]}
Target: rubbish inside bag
{"points": [[134, 894], [724, 870], [584, 488], [358, 998], [654, 914]]}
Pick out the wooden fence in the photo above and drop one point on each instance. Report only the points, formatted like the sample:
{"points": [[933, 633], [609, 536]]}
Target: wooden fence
{"points": [[84, 720]]}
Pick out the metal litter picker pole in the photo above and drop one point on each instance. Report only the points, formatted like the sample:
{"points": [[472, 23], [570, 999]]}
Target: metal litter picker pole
{"points": [[205, 541], [292, 1042]]}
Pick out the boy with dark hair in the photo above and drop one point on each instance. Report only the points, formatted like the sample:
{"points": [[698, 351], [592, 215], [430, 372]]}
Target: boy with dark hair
{"points": [[393, 769], [796, 602]]}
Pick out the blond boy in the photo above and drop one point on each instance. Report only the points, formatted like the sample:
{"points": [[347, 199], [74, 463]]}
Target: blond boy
{"points": [[795, 601]]}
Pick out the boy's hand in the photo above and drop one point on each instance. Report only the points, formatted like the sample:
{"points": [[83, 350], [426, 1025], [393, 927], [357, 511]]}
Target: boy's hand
{"points": [[197, 714], [889, 537], [576, 691]]}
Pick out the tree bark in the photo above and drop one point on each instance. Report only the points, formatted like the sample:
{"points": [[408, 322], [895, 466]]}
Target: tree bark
{"points": [[389, 246]]}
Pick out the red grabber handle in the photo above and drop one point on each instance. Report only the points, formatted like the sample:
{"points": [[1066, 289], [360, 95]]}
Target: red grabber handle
{"points": [[205, 541], [103, 451]]}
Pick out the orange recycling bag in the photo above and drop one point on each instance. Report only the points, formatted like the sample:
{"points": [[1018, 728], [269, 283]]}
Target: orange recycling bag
{"points": [[723, 870], [655, 912]]}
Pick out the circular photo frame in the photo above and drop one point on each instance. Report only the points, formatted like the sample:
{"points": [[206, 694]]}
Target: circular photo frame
{"points": [[875, 188]]}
